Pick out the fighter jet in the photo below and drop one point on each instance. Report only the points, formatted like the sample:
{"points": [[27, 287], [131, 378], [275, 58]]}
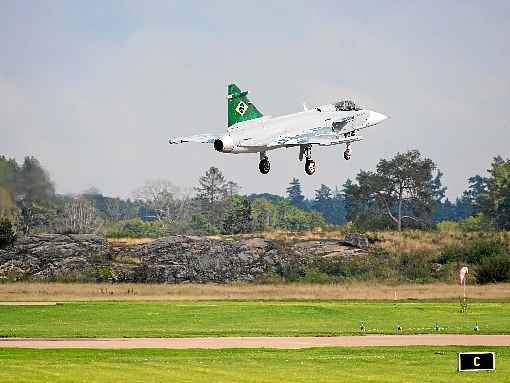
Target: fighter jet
{"points": [[249, 131]]}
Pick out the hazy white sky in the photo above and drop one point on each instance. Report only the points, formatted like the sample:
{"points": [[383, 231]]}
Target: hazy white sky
{"points": [[94, 89]]}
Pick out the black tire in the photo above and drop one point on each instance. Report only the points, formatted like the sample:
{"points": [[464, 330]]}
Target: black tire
{"points": [[264, 166], [347, 155], [310, 167]]}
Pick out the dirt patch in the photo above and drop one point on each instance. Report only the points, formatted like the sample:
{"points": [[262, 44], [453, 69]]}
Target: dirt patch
{"points": [[261, 342]]}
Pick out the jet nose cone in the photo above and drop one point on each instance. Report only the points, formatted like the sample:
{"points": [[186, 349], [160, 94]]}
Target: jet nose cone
{"points": [[375, 118]]}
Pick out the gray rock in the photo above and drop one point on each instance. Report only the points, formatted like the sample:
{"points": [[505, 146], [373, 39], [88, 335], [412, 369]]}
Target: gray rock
{"points": [[437, 267], [174, 259], [53, 257], [356, 240]]}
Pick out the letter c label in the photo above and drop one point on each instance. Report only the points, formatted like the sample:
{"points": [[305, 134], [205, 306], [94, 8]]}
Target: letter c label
{"points": [[476, 361]]}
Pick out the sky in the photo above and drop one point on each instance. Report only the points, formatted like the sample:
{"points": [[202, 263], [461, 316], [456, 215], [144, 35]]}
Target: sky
{"points": [[94, 89]]}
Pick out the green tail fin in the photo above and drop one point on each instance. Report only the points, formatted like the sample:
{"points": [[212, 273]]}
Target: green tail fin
{"points": [[239, 107]]}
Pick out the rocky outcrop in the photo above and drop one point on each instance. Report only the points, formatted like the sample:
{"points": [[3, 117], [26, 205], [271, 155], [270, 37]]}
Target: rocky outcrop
{"points": [[179, 259], [329, 249], [172, 259], [356, 240], [53, 256]]}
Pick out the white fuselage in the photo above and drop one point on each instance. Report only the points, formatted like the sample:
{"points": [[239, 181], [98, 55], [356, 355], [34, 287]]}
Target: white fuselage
{"points": [[263, 134]]}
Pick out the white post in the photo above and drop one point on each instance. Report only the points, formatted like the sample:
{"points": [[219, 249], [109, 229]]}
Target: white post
{"points": [[463, 275]]}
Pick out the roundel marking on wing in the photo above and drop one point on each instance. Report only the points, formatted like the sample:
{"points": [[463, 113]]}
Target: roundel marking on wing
{"points": [[241, 108]]}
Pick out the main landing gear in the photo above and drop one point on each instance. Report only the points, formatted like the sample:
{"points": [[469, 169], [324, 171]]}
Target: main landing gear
{"points": [[309, 167], [348, 152], [264, 164], [306, 151]]}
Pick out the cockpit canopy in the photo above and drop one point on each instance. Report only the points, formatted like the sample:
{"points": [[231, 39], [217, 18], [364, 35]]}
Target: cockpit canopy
{"points": [[345, 105]]}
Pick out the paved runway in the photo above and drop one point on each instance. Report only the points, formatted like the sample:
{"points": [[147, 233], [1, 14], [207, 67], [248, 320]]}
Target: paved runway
{"points": [[261, 342]]}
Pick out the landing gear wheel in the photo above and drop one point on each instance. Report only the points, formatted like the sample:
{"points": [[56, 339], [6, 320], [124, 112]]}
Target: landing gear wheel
{"points": [[310, 167], [348, 152], [264, 166]]}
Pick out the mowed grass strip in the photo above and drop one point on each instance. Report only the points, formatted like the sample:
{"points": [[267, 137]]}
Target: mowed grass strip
{"points": [[248, 318], [395, 364]]}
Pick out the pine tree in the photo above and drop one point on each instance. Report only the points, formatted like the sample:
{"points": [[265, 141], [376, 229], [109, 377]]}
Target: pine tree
{"points": [[295, 195], [443, 208], [232, 188], [211, 194], [330, 204], [211, 186], [495, 202], [323, 194], [471, 197], [323, 202], [339, 212], [237, 218]]}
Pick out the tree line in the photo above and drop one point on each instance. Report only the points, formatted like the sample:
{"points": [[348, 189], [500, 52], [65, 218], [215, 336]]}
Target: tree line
{"points": [[404, 191]]}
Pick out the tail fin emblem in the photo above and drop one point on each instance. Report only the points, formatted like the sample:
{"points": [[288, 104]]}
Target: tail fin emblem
{"points": [[241, 108]]}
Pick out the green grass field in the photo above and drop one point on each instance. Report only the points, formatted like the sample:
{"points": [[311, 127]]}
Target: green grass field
{"points": [[398, 364], [247, 318]]}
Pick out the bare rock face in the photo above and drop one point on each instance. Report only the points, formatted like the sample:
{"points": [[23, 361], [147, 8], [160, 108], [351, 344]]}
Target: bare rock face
{"points": [[198, 259], [356, 240], [53, 256], [173, 259], [326, 248]]}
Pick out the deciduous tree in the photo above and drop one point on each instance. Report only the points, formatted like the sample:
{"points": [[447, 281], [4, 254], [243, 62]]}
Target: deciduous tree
{"points": [[401, 189], [165, 199], [78, 217]]}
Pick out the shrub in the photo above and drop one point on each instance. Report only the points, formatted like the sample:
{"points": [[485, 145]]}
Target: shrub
{"points": [[7, 233], [494, 269], [449, 254], [474, 252], [315, 276], [291, 218], [237, 218], [485, 248], [448, 227], [477, 222], [350, 227], [136, 228], [200, 225], [339, 268], [290, 272], [269, 278], [413, 234], [100, 273], [415, 266]]}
